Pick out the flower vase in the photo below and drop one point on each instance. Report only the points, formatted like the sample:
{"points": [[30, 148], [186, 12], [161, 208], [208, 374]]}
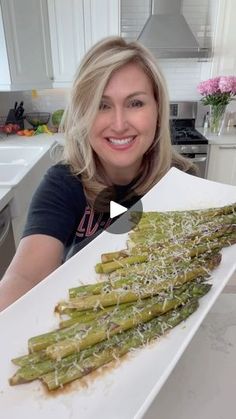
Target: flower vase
{"points": [[216, 120]]}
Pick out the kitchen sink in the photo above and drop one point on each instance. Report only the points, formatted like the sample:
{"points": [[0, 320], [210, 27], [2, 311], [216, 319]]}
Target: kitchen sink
{"points": [[16, 161], [10, 173], [23, 163], [19, 155]]}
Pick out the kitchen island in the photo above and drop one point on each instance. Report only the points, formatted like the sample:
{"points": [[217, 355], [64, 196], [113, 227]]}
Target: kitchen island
{"points": [[202, 385]]}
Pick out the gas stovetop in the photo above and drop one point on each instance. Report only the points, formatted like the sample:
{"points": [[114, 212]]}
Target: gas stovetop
{"points": [[182, 124], [186, 135]]}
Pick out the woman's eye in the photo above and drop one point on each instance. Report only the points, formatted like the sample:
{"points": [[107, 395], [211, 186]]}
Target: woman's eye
{"points": [[103, 106], [136, 103]]}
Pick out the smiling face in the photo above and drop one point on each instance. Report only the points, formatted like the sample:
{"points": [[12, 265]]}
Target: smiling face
{"points": [[125, 125]]}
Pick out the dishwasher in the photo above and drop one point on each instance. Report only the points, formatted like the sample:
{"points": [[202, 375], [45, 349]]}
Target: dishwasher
{"points": [[7, 243]]}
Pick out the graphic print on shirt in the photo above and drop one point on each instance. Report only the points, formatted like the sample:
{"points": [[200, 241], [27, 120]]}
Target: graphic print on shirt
{"points": [[89, 224]]}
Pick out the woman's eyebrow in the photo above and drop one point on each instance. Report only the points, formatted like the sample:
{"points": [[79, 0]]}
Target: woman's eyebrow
{"points": [[127, 97]]}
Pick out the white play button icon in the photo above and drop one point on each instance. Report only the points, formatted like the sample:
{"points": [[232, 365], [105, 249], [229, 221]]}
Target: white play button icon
{"points": [[118, 218], [116, 209]]}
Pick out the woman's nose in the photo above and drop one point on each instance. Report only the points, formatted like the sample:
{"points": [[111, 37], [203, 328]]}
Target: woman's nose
{"points": [[119, 120]]}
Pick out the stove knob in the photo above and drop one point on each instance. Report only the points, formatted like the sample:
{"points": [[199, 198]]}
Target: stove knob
{"points": [[194, 148], [183, 148]]}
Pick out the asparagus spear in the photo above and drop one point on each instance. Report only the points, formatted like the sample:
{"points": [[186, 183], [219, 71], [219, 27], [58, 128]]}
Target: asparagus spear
{"points": [[174, 256], [111, 266], [205, 214], [189, 248], [41, 356], [30, 359], [99, 332], [169, 225], [77, 362], [40, 342], [92, 315], [193, 237], [202, 232], [132, 274], [222, 221], [108, 257], [33, 368], [123, 296], [119, 347], [181, 220], [162, 267]]}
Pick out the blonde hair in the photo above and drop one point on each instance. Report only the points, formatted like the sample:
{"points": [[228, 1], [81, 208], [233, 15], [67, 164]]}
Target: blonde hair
{"points": [[97, 67]]}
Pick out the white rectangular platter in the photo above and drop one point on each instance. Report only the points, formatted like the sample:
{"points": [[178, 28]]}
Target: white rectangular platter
{"points": [[127, 390]]}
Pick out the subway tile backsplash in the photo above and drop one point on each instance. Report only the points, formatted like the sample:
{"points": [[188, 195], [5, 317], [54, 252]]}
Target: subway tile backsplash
{"points": [[182, 76], [47, 100]]}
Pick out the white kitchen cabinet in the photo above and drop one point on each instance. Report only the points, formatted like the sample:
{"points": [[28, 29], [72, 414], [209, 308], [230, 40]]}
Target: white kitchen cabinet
{"points": [[25, 45], [224, 58], [101, 19], [66, 23], [5, 79], [222, 163], [74, 27]]}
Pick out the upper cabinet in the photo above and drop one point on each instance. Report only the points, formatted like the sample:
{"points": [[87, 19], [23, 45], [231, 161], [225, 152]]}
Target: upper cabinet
{"points": [[43, 41], [101, 19], [66, 23], [25, 45], [74, 27]]}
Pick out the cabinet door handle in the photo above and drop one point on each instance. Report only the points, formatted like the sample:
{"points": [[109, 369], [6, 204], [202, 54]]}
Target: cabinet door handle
{"points": [[227, 147], [199, 159]]}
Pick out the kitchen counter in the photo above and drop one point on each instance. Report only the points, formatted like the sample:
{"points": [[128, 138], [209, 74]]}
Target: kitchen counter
{"points": [[44, 140], [202, 385], [228, 136]]}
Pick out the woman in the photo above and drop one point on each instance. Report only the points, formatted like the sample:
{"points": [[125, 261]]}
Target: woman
{"points": [[117, 135]]}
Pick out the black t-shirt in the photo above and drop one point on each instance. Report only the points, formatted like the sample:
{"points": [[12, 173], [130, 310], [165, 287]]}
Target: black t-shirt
{"points": [[59, 209]]}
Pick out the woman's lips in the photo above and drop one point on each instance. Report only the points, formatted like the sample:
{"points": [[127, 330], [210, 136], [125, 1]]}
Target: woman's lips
{"points": [[121, 143]]}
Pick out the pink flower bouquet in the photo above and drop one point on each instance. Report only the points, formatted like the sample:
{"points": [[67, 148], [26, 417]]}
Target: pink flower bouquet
{"points": [[218, 91]]}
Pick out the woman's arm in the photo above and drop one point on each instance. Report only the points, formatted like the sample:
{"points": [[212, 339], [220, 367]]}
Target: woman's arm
{"points": [[37, 256]]}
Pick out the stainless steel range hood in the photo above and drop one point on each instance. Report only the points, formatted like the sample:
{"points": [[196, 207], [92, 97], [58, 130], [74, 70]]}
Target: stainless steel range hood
{"points": [[167, 33]]}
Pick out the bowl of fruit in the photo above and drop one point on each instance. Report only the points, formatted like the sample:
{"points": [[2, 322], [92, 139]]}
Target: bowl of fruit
{"points": [[8, 127], [37, 118]]}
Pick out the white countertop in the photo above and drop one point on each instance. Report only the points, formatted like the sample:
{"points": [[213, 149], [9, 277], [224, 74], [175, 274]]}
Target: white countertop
{"points": [[202, 385], [45, 140], [228, 136]]}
